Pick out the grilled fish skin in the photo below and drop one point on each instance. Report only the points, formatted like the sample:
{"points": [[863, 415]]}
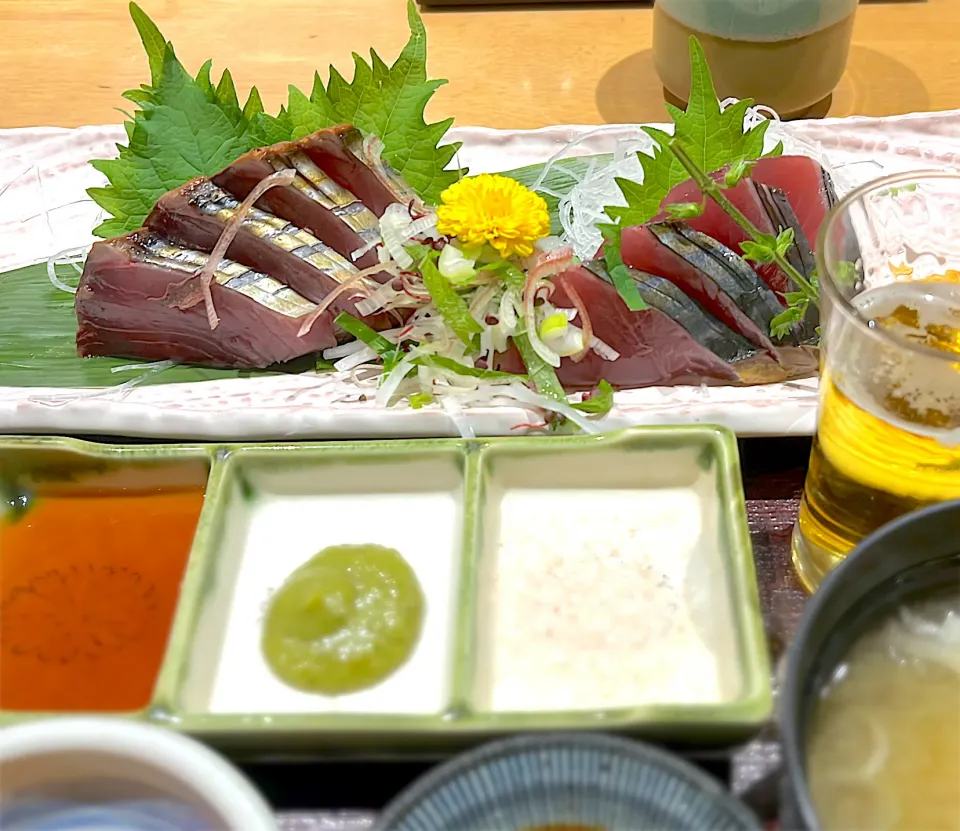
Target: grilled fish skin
{"points": [[345, 223], [799, 255], [265, 290], [642, 249], [328, 151], [660, 293], [729, 271]]}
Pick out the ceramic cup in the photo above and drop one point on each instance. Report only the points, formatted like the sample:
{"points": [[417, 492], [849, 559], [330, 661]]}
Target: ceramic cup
{"points": [[785, 54], [112, 770]]}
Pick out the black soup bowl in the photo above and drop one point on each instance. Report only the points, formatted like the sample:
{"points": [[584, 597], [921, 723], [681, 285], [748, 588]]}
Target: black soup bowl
{"points": [[914, 554]]}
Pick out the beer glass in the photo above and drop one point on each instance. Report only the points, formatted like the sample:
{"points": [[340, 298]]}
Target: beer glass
{"points": [[888, 425], [786, 54]]}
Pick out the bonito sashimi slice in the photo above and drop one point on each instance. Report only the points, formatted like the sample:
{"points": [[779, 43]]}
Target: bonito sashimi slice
{"points": [[317, 204], [196, 214], [654, 349], [123, 309], [781, 192], [328, 150], [659, 293], [643, 250]]}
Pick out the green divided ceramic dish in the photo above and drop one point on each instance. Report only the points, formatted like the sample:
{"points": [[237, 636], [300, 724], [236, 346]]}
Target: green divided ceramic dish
{"points": [[587, 582]]}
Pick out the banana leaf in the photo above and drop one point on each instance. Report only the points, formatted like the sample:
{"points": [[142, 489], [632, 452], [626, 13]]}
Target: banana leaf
{"points": [[38, 330]]}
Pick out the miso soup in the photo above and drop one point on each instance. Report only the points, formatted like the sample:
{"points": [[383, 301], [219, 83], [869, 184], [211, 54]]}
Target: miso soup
{"points": [[884, 746]]}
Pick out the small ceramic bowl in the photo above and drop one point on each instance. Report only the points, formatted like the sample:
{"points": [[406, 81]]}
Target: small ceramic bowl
{"points": [[580, 782], [116, 774]]}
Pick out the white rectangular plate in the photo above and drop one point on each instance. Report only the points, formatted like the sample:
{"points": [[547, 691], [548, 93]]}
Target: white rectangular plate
{"points": [[43, 175]]}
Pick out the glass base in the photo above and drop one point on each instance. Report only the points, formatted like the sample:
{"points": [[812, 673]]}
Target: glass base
{"points": [[811, 562], [816, 110]]}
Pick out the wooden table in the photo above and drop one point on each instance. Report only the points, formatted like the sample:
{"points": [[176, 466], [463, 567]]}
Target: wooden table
{"points": [[66, 62]]}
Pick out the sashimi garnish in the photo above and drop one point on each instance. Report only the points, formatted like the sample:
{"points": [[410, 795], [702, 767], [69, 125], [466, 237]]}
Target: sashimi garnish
{"points": [[188, 126]]}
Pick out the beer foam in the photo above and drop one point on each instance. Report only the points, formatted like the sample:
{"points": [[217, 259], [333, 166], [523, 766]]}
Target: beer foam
{"points": [[890, 375], [758, 20]]}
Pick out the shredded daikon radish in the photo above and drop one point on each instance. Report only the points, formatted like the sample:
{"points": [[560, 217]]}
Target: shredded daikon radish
{"points": [[585, 205], [71, 256], [122, 390], [363, 249], [526, 395], [390, 384], [399, 229], [482, 299], [278, 179], [352, 282], [452, 407], [608, 353], [344, 349], [564, 151], [155, 366], [58, 400], [378, 300], [372, 151], [754, 115], [366, 375], [426, 225], [52, 276], [355, 359]]}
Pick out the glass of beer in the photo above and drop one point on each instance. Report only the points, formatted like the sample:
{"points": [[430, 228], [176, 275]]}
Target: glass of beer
{"points": [[786, 54], [888, 425]]}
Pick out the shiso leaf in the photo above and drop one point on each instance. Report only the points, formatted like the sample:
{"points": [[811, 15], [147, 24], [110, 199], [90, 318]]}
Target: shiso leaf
{"points": [[154, 43], [714, 139], [272, 129], [182, 130], [389, 102], [254, 105], [186, 127], [226, 97]]}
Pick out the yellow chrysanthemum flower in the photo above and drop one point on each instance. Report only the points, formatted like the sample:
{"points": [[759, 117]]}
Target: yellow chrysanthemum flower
{"points": [[496, 210]]}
